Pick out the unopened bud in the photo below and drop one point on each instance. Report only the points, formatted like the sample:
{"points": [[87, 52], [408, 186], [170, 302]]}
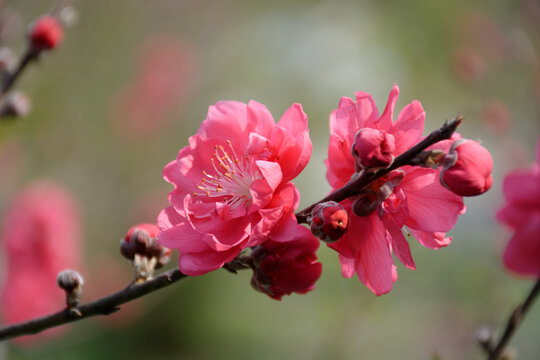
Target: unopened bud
{"points": [[45, 33], [373, 149], [365, 204], [329, 221], [140, 245], [71, 282], [467, 168], [15, 104]]}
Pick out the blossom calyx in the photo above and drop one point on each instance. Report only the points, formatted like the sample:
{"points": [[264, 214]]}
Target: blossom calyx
{"points": [[328, 221], [71, 282], [365, 204], [373, 149], [45, 33], [467, 168]]}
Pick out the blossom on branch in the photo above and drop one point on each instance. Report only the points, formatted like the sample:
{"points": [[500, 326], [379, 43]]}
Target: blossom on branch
{"points": [[41, 237], [411, 196], [281, 268], [233, 184], [521, 190]]}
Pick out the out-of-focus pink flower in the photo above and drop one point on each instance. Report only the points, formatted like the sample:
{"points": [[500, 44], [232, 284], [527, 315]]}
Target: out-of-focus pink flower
{"points": [[232, 184], [281, 268], [521, 190], [496, 116], [41, 237], [411, 196], [165, 72], [467, 168], [468, 65]]}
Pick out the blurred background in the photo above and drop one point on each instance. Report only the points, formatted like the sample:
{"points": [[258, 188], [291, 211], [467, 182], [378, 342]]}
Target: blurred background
{"points": [[134, 79]]}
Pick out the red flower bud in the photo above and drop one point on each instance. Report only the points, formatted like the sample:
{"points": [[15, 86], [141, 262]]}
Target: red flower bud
{"points": [[141, 240], [45, 33], [467, 168], [281, 268], [329, 221], [373, 148]]}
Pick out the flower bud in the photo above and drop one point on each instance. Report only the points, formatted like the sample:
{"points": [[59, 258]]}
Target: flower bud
{"points": [[467, 168], [365, 204], [140, 243], [281, 268], [71, 282], [15, 104], [329, 221], [373, 149], [45, 33]]}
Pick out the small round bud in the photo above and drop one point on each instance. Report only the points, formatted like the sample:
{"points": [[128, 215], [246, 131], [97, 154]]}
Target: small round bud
{"points": [[69, 279], [15, 104], [365, 204], [71, 282], [329, 221], [467, 168], [45, 33], [373, 149]]}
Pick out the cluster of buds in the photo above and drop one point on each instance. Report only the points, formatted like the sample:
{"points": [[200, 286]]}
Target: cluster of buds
{"points": [[44, 34], [328, 221], [141, 247], [71, 282]]}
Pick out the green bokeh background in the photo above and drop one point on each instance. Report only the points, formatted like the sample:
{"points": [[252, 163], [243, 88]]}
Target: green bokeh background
{"points": [[280, 52]]}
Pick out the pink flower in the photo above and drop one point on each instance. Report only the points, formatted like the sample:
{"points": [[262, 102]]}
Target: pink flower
{"points": [[328, 221], [41, 237], [467, 168], [232, 184], [373, 148], [45, 33], [165, 72], [411, 196], [521, 189], [281, 268]]}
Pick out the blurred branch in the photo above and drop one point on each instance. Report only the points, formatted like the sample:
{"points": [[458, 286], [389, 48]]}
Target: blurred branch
{"points": [[29, 56], [354, 187], [104, 306], [514, 321]]}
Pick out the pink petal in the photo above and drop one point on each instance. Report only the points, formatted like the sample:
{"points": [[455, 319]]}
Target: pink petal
{"points": [[262, 190], [347, 266], [385, 121], [194, 264], [400, 246], [366, 110], [522, 255], [432, 208], [227, 120], [409, 127], [374, 264], [522, 187], [260, 118], [431, 240], [294, 120]]}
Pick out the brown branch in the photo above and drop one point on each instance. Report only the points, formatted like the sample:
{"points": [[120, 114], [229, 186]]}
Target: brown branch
{"points": [[29, 56], [514, 321], [103, 306], [354, 187]]}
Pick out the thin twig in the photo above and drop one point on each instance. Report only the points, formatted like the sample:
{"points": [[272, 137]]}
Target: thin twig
{"points": [[514, 321], [354, 187], [104, 306], [29, 56]]}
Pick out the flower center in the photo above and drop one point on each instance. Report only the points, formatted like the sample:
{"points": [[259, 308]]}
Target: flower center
{"points": [[232, 177]]}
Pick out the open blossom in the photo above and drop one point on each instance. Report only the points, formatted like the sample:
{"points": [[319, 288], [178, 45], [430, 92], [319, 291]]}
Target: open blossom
{"points": [[521, 190], [232, 184], [281, 268], [41, 235], [411, 196]]}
